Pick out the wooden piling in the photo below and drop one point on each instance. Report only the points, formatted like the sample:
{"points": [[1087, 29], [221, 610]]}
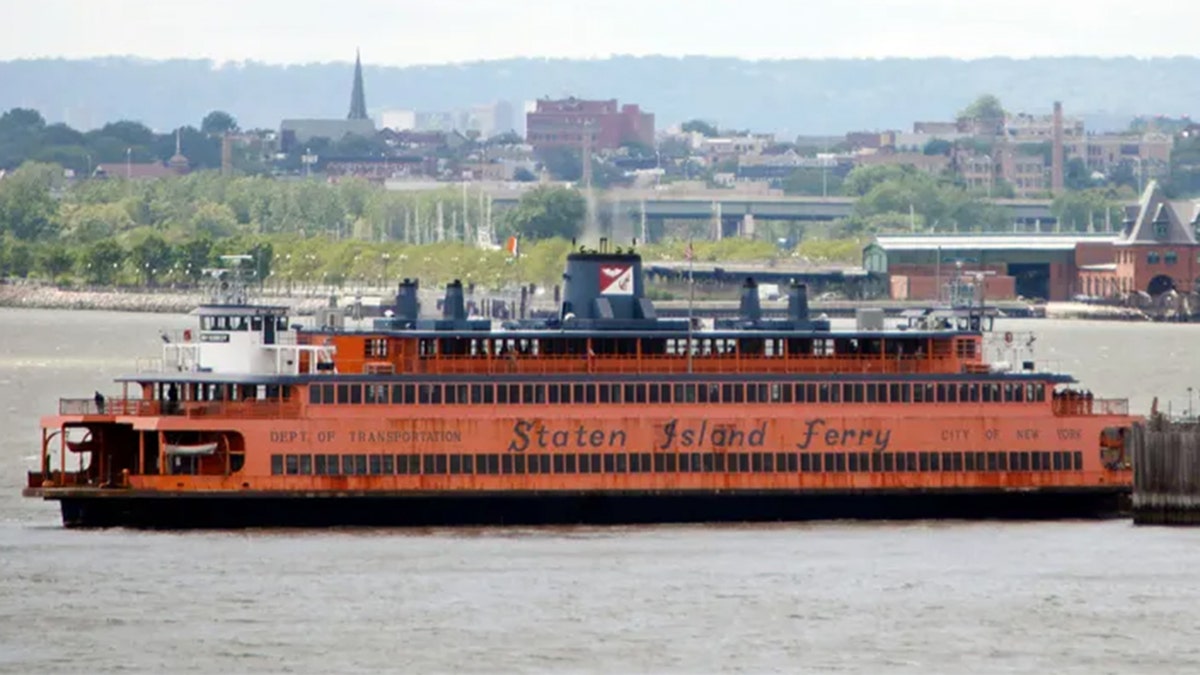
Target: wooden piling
{"points": [[1166, 472]]}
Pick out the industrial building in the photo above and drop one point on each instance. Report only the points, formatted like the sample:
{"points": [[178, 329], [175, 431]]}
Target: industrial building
{"points": [[1155, 251]]}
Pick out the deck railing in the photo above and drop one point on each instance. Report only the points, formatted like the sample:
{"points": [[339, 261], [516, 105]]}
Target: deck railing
{"points": [[727, 363], [1095, 406], [141, 407]]}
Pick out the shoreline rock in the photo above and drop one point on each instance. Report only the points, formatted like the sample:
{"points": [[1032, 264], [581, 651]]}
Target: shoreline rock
{"points": [[32, 296]]}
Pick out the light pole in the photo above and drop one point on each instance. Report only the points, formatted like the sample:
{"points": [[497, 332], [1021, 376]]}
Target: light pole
{"points": [[1189, 401], [128, 163]]}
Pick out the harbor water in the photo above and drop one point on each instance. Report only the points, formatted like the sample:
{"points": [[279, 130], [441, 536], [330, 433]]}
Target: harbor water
{"points": [[924, 597]]}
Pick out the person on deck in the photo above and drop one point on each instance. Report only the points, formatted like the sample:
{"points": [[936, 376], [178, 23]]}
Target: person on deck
{"points": [[99, 399]]}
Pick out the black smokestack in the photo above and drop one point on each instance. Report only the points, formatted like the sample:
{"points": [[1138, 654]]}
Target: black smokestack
{"points": [[453, 308], [407, 305], [750, 310], [797, 302]]}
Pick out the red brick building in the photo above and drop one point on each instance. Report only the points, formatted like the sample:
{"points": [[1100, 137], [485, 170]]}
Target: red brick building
{"points": [[559, 123]]}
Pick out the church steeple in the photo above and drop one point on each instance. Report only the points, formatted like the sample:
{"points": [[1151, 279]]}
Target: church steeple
{"points": [[358, 99]]}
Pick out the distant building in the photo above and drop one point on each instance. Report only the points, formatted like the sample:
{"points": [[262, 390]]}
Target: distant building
{"points": [[358, 97], [930, 164], [1155, 251], [398, 120], [564, 123], [295, 132]]}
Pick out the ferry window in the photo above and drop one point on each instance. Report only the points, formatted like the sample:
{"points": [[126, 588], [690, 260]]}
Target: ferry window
{"points": [[429, 393], [293, 465], [570, 464], [455, 464], [923, 458], [622, 462], [958, 461], [993, 464], [360, 465], [1002, 461], [276, 465], [553, 393], [389, 465], [1058, 460], [376, 393], [533, 393], [343, 393], [319, 465], [934, 462], [468, 464], [970, 461], [654, 393], [306, 465], [1077, 458], [1026, 462], [519, 464], [810, 393], [660, 463], [502, 393], [256, 323], [610, 464], [314, 393], [596, 461], [806, 463], [918, 393], [428, 466], [560, 464], [356, 394], [829, 462], [506, 464], [947, 461], [952, 393], [460, 391], [532, 465], [476, 393], [375, 464], [889, 462], [439, 463], [681, 394], [671, 463], [853, 462]]}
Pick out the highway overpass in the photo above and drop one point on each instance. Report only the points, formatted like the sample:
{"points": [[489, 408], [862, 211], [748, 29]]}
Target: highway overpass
{"points": [[731, 205]]}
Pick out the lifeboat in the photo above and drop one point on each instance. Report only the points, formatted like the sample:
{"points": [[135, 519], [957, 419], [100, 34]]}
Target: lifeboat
{"points": [[190, 450]]}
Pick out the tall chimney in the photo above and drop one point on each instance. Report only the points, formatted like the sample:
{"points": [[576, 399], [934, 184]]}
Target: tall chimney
{"points": [[1056, 155]]}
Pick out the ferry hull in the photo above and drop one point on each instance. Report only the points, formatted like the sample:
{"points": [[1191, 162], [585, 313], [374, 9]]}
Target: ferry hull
{"points": [[187, 510]]}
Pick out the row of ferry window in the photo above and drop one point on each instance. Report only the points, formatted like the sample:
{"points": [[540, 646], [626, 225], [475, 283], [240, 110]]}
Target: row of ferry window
{"points": [[779, 392], [694, 462]]}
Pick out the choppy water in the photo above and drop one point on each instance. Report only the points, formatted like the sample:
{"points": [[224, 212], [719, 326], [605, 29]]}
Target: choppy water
{"points": [[1080, 597]]}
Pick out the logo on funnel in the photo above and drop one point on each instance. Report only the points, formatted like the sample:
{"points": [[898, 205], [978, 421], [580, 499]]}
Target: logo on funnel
{"points": [[616, 280]]}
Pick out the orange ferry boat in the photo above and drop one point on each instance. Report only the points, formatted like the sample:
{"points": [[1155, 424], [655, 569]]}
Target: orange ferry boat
{"points": [[604, 414]]}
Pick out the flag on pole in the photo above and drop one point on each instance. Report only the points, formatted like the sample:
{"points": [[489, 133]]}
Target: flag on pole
{"points": [[512, 247]]}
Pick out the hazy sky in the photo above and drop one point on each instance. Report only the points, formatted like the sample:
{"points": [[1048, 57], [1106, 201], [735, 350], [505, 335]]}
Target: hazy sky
{"points": [[402, 32]]}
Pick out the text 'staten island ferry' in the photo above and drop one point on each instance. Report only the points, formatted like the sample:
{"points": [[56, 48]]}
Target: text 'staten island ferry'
{"points": [[605, 414]]}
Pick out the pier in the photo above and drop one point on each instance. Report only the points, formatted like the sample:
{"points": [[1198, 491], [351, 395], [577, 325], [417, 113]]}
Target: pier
{"points": [[1166, 472]]}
